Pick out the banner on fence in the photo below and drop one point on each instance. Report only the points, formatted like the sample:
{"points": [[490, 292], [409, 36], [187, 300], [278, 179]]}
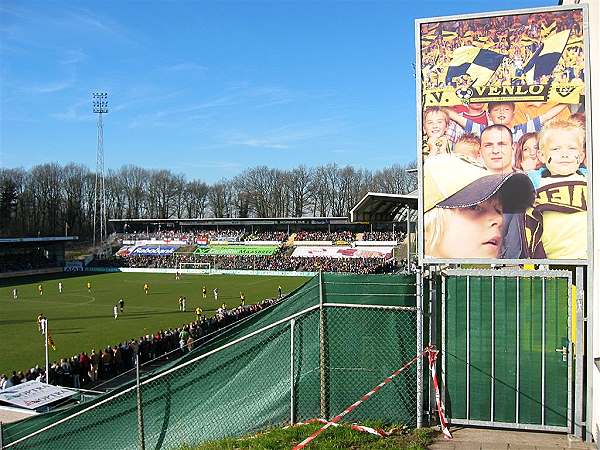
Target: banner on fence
{"points": [[240, 250], [73, 266], [154, 250], [33, 394], [342, 252]]}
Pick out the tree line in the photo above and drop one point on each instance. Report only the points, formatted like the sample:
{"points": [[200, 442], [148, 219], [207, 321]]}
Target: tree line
{"points": [[48, 198]]}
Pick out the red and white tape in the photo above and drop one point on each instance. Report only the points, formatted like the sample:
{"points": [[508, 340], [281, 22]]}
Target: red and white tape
{"points": [[432, 353], [333, 422]]}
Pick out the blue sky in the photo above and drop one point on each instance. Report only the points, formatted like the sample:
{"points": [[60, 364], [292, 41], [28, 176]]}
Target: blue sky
{"points": [[209, 88]]}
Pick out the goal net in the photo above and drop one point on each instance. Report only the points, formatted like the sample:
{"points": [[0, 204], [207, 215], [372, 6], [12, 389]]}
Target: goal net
{"points": [[203, 266]]}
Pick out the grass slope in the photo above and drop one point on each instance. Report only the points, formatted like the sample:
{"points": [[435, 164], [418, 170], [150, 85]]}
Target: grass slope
{"points": [[79, 320], [341, 437]]}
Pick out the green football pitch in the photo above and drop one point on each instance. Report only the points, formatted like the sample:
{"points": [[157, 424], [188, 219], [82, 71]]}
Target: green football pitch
{"points": [[79, 320]]}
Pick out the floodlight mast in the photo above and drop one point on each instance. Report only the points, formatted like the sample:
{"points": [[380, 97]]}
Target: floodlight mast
{"points": [[100, 106]]}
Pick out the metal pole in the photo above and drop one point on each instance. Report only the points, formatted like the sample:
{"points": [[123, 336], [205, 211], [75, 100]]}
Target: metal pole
{"points": [[292, 387], [322, 358], [1, 440], [408, 240], [140, 417], [419, 281], [432, 332], [579, 353], [46, 347]]}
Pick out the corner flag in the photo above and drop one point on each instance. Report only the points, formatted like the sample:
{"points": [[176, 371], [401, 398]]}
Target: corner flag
{"points": [[51, 342]]}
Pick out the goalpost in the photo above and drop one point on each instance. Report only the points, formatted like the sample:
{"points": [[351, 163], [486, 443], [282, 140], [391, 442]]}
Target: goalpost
{"points": [[205, 267]]}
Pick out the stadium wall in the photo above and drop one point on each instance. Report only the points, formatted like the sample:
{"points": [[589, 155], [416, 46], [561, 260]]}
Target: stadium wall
{"points": [[25, 273]]}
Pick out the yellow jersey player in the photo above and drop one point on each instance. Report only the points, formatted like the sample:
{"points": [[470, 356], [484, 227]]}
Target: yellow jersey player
{"points": [[146, 288], [198, 313], [41, 289], [203, 291], [89, 287], [242, 299]]}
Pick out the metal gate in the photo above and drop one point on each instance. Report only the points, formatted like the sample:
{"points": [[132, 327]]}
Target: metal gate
{"points": [[506, 348]]}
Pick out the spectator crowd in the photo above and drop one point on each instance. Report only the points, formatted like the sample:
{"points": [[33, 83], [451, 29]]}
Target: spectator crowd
{"points": [[88, 369]]}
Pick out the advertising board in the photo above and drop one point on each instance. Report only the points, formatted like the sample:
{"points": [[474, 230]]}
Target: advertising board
{"points": [[342, 252], [504, 160], [241, 250]]}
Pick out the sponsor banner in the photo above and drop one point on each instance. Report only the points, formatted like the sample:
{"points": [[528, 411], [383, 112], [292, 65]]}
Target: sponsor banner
{"points": [[342, 243], [125, 251], [503, 158], [242, 250], [375, 243], [150, 250], [73, 266], [200, 240], [128, 242], [34, 394], [342, 252]]}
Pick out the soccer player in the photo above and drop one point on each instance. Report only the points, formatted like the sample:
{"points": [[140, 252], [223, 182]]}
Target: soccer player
{"points": [[180, 300], [216, 293], [203, 291], [177, 275], [279, 290], [121, 304], [242, 299], [116, 311], [39, 321], [15, 294], [198, 313], [41, 289], [89, 287], [183, 299], [60, 287], [146, 288]]}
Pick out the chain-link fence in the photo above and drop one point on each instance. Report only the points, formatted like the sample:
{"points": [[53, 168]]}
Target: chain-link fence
{"points": [[310, 356]]}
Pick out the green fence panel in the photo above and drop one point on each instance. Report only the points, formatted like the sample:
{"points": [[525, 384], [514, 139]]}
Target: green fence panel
{"points": [[456, 347], [480, 348], [505, 349], [556, 400], [530, 346], [385, 290], [362, 350]]}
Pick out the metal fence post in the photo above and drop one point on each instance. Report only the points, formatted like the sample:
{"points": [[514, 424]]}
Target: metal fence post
{"points": [[579, 353], [292, 387], [140, 417], [322, 350], [433, 318], [419, 282], [1, 439]]}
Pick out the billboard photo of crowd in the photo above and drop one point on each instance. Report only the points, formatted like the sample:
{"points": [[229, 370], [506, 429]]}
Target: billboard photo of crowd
{"points": [[504, 167]]}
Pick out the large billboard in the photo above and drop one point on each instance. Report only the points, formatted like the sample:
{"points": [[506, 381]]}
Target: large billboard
{"points": [[504, 170]]}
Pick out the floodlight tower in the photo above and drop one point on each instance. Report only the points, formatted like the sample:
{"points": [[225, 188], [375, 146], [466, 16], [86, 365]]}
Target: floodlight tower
{"points": [[100, 106]]}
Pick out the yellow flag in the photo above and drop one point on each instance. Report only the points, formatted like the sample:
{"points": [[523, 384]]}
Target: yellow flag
{"points": [[51, 342]]}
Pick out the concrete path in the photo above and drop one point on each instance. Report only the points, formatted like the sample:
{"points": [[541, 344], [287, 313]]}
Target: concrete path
{"points": [[487, 439]]}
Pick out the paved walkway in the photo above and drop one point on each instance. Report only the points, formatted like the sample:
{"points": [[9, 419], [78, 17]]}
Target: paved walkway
{"points": [[487, 439]]}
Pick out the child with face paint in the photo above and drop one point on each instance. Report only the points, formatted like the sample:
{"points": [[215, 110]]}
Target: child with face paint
{"points": [[557, 223]]}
